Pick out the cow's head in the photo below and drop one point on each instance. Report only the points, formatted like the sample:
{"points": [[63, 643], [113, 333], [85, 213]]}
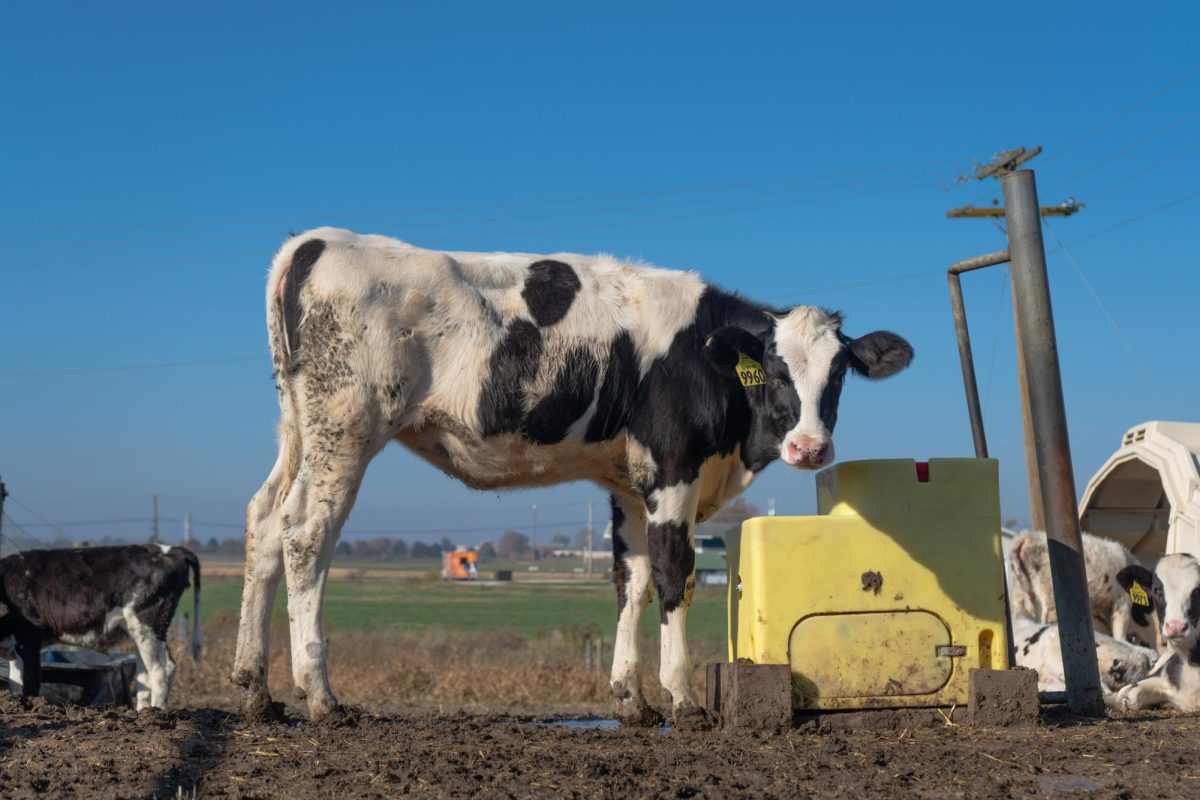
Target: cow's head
{"points": [[804, 360], [1174, 589]]}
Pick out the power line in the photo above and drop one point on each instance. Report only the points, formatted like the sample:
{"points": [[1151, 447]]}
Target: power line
{"points": [[87, 523], [1091, 196], [481, 206], [508, 234], [818, 290], [36, 515], [1124, 150], [1121, 114], [400, 531], [1135, 218], [421, 227], [1111, 321], [129, 367]]}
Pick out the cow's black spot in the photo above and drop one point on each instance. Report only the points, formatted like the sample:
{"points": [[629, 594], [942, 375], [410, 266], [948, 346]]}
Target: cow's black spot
{"points": [[513, 364], [1033, 639], [672, 559], [549, 291], [303, 259], [620, 570], [617, 390], [568, 399]]}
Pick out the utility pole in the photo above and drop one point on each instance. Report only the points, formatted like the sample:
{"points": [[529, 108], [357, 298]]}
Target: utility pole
{"points": [[3, 494], [1001, 165], [187, 530], [589, 543], [154, 539], [770, 506], [533, 536]]}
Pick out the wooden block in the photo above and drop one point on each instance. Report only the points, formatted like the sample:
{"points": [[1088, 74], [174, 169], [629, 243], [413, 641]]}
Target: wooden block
{"points": [[748, 696], [1003, 697]]}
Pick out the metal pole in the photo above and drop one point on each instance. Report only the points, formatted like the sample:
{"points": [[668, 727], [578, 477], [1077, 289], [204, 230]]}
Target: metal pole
{"points": [[533, 531], [3, 494], [154, 520], [1037, 518], [1035, 321], [589, 550], [966, 359]]}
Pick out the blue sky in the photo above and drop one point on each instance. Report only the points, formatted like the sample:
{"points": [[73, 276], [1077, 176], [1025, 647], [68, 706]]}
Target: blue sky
{"points": [[154, 156]]}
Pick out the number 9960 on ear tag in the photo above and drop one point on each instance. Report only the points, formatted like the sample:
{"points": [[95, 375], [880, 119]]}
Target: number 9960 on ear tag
{"points": [[750, 372]]}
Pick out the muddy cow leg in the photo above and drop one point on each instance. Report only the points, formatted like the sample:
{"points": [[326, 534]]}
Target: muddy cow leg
{"points": [[263, 571], [316, 507], [631, 575], [671, 513]]}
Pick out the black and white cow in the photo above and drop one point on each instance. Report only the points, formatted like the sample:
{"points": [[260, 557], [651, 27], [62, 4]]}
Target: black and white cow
{"points": [[507, 370], [95, 597], [1114, 611], [1174, 588]]}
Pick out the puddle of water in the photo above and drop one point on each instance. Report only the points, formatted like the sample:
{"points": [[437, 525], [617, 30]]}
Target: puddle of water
{"points": [[591, 724], [585, 724], [1067, 783]]}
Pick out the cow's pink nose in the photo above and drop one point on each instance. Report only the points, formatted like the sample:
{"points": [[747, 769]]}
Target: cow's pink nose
{"points": [[1175, 628], [807, 450]]}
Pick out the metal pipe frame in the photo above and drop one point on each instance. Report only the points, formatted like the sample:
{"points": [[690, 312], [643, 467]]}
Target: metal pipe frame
{"points": [[1042, 390], [965, 356], [1052, 445]]}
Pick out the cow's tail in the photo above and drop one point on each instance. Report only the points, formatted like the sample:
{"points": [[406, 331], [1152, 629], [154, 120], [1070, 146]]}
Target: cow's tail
{"points": [[290, 270], [194, 564]]}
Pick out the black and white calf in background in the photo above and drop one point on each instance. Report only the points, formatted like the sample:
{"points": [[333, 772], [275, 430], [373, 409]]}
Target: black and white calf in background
{"points": [[1174, 588], [95, 597], [1121, 663], [506, 370], [1114, 610]]}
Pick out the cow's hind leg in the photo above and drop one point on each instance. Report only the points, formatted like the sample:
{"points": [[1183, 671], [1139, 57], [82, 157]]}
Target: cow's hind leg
{"points": [[142, 685], [317, 505], [263, 571], [631, 574], [155, 659], [672, 517]]}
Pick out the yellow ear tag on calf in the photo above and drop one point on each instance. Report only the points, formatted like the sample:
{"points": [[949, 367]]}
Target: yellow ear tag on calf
{"points": [[1138, 595], [750, 372]]}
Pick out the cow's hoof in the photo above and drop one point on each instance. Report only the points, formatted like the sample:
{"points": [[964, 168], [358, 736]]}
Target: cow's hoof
{"points": [[693, 718], [258, 707], [637, 714], [337, 716]]}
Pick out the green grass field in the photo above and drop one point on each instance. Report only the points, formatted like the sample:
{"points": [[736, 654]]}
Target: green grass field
{"points": [[527, 607]]}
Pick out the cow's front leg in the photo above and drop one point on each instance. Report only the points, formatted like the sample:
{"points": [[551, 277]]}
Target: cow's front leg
{"points": [[1151, 692], [671, 513], [29, 650], [631, 575]]}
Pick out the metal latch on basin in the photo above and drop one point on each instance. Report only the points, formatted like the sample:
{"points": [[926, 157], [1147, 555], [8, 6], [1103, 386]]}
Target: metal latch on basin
{"points": [[951, 650]]}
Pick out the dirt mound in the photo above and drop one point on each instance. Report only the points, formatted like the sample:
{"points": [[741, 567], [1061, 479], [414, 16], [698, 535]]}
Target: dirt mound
{"points": [[47, 750]]}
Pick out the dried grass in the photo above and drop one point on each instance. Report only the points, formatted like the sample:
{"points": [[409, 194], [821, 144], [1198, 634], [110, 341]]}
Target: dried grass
{"points": [[495, 670]]}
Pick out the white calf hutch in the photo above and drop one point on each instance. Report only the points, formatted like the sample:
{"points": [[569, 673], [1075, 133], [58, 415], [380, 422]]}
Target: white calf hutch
{"points": [[1147, 494]]}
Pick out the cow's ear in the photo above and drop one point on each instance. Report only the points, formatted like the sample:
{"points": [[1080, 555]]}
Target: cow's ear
{"points": [[724, 345], [1135, 572], [879, 355]]}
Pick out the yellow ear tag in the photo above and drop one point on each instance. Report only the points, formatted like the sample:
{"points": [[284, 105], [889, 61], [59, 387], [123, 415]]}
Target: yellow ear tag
{"points": [[1138, 595], [750, 372]]}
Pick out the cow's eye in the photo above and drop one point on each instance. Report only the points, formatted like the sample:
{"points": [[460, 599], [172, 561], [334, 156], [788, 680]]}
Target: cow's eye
{"points": [[780, 382]]}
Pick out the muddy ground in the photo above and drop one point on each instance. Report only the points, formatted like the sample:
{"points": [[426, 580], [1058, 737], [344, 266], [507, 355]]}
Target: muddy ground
{"points": [[47, 750]]}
